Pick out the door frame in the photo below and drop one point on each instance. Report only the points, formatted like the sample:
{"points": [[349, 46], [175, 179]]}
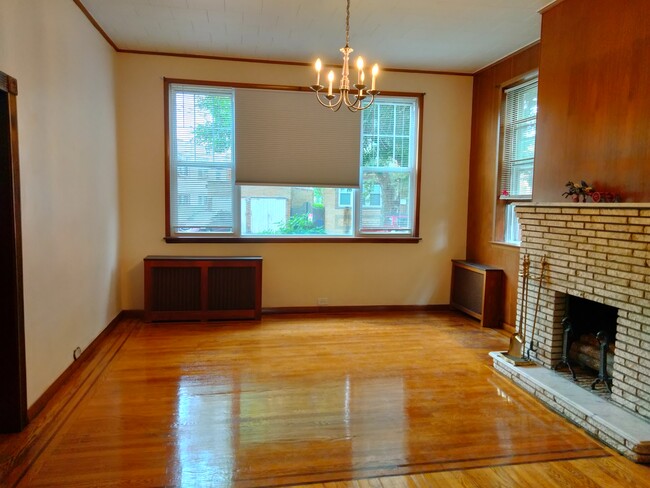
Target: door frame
{"points": [[13, 391]]}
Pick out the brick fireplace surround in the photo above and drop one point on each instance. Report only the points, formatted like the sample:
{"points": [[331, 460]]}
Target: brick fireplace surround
{"points": [[600, 252]]}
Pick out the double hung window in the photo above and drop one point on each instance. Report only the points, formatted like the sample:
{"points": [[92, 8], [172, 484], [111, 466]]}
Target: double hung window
{"points": [[387, 167], [517, 143], [201, 163], [369, 191]]}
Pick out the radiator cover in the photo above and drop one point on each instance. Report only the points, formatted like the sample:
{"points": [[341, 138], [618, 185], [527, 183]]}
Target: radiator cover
{"points": [[476, 290], [181, 288]]}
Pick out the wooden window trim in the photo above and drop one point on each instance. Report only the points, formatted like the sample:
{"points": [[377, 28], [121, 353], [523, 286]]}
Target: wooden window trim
{"points": [[498, 224], [293, 240], [173, 239]]}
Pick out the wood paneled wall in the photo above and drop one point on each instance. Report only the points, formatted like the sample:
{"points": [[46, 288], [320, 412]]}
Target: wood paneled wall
{"points": [[594, 98], [483, 170], [593, 121]]}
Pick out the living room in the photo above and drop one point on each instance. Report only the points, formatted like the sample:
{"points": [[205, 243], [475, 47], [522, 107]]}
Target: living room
{"points": [[92, 153]]}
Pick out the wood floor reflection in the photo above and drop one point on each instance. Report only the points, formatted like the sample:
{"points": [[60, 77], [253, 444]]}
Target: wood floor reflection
{"points": [[313, 399]]}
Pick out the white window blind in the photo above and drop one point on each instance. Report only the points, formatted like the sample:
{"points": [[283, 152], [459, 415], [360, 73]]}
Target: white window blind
{"points": [[201, 159], [518, 126], [287, 138]]}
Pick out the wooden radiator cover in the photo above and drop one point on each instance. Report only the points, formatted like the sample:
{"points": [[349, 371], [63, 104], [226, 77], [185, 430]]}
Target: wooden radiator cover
{"points": [[179, 288], [476, 290]]}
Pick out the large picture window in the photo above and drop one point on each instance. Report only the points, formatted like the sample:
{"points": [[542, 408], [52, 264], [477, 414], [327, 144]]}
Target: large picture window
{"points": [[207, 130]]}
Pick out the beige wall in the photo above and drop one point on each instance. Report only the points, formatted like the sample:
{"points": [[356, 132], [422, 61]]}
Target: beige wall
{"points": [[67, 145], [298, 274]]}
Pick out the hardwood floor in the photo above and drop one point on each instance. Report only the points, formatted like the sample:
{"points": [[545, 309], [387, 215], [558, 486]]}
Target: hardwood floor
{"points": [[366, 400]]}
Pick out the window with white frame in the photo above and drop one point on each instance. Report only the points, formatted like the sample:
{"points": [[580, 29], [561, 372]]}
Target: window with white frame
{"points": [[344, 196], [372, 196], [201, 126], [512, 231], [517, 150], [388, 133], [205, 200]]}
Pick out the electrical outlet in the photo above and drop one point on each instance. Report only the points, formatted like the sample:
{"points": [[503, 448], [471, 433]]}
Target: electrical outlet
{"points": [[323, 301]]}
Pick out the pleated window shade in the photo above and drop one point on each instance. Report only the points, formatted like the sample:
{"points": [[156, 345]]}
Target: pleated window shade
{"points": [[287, 138], [518, 130]]}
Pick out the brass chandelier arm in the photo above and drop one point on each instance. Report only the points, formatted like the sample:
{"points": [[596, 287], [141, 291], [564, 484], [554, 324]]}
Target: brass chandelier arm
{"points": [[344, 99], [334, 106]]}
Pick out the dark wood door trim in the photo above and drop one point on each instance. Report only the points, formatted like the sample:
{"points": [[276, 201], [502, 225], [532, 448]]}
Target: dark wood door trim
{"points": [[13, 396]]}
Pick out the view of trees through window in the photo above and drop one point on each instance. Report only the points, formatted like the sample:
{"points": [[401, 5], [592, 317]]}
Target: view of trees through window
{"points": [[203, 193]]}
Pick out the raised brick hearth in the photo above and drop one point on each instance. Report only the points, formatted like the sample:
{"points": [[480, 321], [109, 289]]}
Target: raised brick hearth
{"points": [[600, 252]]}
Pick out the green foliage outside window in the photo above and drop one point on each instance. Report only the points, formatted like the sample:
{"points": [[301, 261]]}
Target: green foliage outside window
{"points": [[215, 134], [298, 224]]}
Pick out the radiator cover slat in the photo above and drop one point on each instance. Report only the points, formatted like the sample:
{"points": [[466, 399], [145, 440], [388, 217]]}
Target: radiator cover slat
{"points": [[176, 289]]}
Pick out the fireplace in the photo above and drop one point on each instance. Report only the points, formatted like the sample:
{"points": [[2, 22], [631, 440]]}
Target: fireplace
{"points": [[589, 341], [597, 274]]}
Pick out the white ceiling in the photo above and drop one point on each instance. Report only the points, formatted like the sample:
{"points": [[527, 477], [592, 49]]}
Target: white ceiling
{"points": [[430, 35]]}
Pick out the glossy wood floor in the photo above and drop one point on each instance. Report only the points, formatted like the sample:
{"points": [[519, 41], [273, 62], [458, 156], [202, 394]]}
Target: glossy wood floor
{"points": [[384, 400]]}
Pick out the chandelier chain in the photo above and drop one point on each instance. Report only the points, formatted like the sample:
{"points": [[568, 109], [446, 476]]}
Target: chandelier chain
{"points": [[347, 25]]}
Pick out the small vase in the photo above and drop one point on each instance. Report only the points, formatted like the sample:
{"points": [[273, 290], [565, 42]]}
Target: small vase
{"points": [[575, 198]]}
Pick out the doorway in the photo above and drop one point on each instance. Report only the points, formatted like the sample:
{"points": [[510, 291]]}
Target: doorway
{"points": [[13, 397]]}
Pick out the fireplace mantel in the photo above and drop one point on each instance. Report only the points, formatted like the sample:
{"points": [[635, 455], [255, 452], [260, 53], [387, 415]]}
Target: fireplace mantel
{"points": [[599, 205]]}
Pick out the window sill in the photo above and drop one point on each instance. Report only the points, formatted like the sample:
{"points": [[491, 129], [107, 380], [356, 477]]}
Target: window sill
{"points": [[292, 240], [506, 244]]}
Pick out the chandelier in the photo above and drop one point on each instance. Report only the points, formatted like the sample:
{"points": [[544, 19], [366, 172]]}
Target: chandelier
{"points": [[359, 100]]}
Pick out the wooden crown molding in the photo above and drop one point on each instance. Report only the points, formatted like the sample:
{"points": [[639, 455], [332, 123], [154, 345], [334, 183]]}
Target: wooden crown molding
{"points": [[551, 5], [118, 49], [95, 24], [511, 55]]}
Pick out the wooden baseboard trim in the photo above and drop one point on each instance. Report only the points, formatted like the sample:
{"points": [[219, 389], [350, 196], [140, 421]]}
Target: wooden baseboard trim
{"points": [[133, 314], [139, 314], [53, 407], [510, 329], [38, 406], [355, 309]]}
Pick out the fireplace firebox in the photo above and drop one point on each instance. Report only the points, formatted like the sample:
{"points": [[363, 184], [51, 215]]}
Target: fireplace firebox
{"points": [[588, 339]]}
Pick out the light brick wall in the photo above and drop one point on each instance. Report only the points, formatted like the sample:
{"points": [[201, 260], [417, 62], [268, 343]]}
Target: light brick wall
{"points": [[600, 252]]}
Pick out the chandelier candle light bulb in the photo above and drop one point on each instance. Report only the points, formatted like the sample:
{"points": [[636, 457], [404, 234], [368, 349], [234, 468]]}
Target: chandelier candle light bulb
{"points": [[319, 66], [360, 70], [353, 101]]}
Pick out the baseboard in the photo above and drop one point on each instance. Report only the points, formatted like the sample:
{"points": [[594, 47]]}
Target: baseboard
{"points": [[139, 314], [48, 413], [354, 309], [510, 329], [41, 402], [133, 314]]}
